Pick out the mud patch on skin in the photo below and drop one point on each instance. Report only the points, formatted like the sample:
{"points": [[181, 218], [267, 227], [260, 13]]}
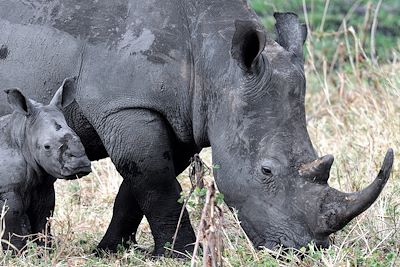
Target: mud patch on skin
{"points": [[95, 21], [137, 43], [153, 58], [3, 52]]}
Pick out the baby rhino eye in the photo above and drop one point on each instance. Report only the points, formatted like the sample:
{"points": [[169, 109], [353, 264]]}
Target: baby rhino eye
{"points": [[266, 171], [47, 147]]}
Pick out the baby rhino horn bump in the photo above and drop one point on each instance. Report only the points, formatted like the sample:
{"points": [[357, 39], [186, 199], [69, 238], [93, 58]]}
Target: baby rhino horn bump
{"points": [[317, 170], [291, 34]]}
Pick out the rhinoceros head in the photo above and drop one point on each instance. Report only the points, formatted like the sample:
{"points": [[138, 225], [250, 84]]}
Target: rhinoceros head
{"points": [[268, 168], [47, 141]]}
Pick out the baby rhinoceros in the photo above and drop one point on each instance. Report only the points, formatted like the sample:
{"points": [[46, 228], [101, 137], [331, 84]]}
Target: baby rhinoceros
{"points": [[36, 148]]}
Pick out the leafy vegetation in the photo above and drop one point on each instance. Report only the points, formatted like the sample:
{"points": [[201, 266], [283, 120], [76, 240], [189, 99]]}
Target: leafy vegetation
{"points": [[329, 19]]}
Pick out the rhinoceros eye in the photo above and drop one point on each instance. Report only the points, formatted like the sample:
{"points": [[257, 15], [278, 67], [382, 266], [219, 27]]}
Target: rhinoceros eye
{"points": [[266, 171], [47, 147]]}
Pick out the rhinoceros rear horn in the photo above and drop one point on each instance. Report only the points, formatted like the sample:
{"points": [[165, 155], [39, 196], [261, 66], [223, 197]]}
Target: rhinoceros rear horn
{"points": [[291, 34], [318, 170], [248, 42]]}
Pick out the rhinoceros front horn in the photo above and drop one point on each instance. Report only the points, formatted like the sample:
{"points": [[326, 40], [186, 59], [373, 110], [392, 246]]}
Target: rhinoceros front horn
{"points": [[338, 208], [358, 202]]}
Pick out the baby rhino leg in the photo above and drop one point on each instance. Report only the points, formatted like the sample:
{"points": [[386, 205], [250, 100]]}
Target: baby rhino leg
{"points": [[17, 224], [40, 209]]}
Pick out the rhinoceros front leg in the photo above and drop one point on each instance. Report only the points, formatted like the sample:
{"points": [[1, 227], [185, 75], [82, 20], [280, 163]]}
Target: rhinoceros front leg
{"points": [[138, 142], [41, 207], [127, 216]]}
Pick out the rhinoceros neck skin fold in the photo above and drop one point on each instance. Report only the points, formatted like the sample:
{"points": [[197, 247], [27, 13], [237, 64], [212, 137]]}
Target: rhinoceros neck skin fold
{"points": [[158, 81]]}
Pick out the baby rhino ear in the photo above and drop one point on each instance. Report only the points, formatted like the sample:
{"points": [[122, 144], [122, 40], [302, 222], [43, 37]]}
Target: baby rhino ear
{"points": [[65, 95], [18, 102]]}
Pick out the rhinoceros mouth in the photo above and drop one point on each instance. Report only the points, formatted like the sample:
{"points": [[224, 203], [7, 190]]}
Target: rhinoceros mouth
{"points": [[76, 167], [285, 244], [76, 173], [75, 176]]}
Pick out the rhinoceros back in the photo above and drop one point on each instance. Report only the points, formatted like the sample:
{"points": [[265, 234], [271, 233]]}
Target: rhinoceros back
{"points": [[127, 54]]}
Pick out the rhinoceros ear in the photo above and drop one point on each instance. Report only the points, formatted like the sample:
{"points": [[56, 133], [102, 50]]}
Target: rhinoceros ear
{"points": [[248, 42], [65, 95], [291, 34], [18, 102]]}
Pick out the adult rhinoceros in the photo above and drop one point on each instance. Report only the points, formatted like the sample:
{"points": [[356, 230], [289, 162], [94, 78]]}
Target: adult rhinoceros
{"points": [[158, 81]]}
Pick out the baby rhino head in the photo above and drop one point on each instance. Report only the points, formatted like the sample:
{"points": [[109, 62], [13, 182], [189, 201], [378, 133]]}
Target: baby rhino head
{"points": [[46, 138]]}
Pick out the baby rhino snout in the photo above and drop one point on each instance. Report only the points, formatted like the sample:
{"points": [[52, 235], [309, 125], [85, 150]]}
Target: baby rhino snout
{"points": [[76, 163]]}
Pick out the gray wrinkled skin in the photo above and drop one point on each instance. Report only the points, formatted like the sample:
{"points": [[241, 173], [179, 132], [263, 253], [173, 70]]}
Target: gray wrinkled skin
{"points": [[36, 148], [158, 81]]}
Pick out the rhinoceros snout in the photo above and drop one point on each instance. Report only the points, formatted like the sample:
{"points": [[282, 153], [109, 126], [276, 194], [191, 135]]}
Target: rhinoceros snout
{"points": [[76, 167]]}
